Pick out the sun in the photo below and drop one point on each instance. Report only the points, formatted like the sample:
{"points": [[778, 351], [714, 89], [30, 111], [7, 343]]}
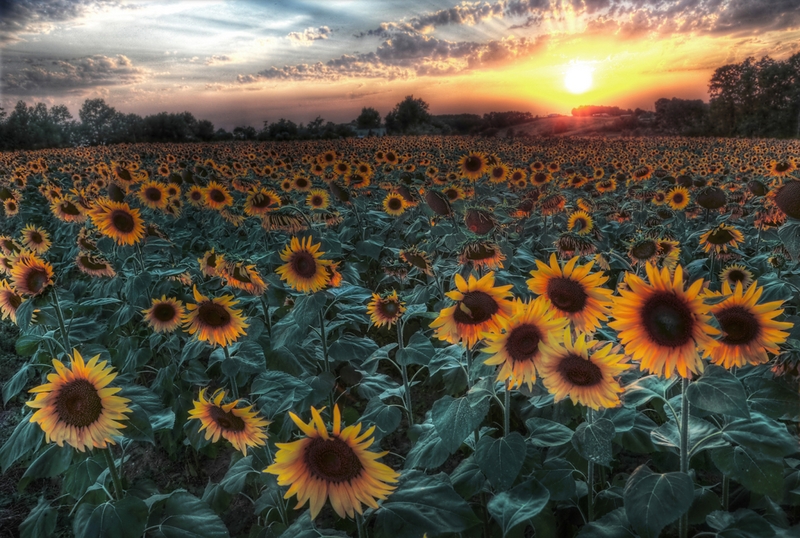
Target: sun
{"points": [[578, 78]]}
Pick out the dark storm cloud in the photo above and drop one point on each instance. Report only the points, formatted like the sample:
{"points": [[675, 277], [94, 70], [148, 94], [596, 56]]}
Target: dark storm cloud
{"points": [[758, 16], [64, 76], [35, 16]]}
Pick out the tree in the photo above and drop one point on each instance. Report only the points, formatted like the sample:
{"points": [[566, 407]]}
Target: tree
{"points": [[96, 121], [682, 116], [369, 118], [204, 130], [408, 115]]}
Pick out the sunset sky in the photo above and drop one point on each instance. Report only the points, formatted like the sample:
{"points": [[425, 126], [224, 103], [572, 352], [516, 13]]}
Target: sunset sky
{"points": [[243, 62]]}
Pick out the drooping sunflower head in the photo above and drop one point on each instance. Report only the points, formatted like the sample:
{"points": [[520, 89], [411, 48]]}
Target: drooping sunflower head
{"points": [[211, 263], [643, 251], [10, 301], [735, 274], [479, 221], [720, 238], [214, 320], [787, 198], [573, 291], [749, 330], [118, 221], [165, 314], [438, 202], [480, 307], [663, 325], [94, 265], [241, 426], [77, 406], [30, 275], [334, 465], [484, 254], [35, 239], [261, 201], [385, 309], [417, 258], [244, 277], [304, 270], [517, 349], [583, 370]]}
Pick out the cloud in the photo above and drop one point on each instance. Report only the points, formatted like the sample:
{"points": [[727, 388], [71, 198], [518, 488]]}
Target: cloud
{"points": [[65, 76], [309, 35], [218, 59], [37, 16]]}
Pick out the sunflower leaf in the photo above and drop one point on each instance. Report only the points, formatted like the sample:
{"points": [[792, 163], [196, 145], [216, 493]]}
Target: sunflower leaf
{"points": [[593, 441], [25, 439], [182, 515], [545, 433], [719, 391], [52, 461], [752, 470], [125, 518], [455, 418], [653, 500], [519, 505], [40, 522], [501, 459]]}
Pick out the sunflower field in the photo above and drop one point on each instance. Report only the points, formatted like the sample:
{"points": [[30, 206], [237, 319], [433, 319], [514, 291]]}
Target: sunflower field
{"points": [[401, 337]]}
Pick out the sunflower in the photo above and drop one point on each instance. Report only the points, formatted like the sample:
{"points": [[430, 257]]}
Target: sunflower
{"points": [[11, 207], [482, 254], [518, 347], [719, 238], [583, 371], [9, 247], [480, 308], [216, 196], [153, 194], [643, 251], [394, 204], [453, 193], [787, 198], [304, 270], [438, 202], [318, 199], [661, 324], [580, 223], [736, 273], [417, 258], [211, 263], [335, 466], [669, 253], [606, 185], [678, 198], [748, 329], [243, 277], [473, 165], [214, 320], [386, 309], [94, 265], [241, 426], [479, 221], [164, 315], [78, 406], [574, 292], [498, 173], [10, 301], [68, 210], [35, 239], [31, 275], [118, 221], [195, 195], [781, 168]]}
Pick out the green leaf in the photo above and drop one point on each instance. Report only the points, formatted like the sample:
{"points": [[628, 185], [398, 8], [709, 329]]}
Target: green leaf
{"points": [[182, 515], [418, 351], [126, 518], [303, 527], [455, 418], [429, 451], [216, 497], [306, 310], [719, 391], [138, 427], [743, 523], [13, 386], [519, 505], [645, 389], [236, 477], [83, 474], [40, 522], [556, 476], [702, 435], [752, 470], [385, 418], [500, 460], [24, 314], [53, 461], [371, 248], [421, 504], [545, 433], [593, 441], [761, 435], [27, 344], [278, 391], [350, 347], [467, 478], [653, 500], [705, 501], [612, 525], [24, 440], [772, 398], [250, 357]]}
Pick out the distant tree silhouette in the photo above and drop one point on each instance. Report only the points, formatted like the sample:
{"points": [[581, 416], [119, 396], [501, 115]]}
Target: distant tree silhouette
{"points": [[409, 115], [368, 119]]}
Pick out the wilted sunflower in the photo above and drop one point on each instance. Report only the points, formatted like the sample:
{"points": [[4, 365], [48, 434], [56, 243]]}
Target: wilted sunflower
{"points": [[417, 258], [394, 204], [482, 254], [386, 309], [216, 196], [241, 426], [94, 265], [582, 371], [35, 239], [479, 308], [118, 221], [164, 315], [438, 202], [211, 263], [678, 198], [735, 274], [719, 238], [9, 247], [153, 194], [318, 199], [243, 277], [749, 330], [214, 320], [473, 165], [580, 223], [479, 221], [787, 198], [30, 275], [304, 270], [574, 292], [78, 406], [518, 347], [10, 301], [336, 466], [661, 324]]}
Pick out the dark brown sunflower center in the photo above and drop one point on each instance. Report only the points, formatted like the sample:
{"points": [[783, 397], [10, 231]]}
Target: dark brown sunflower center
{"points": [[78, 404], [475, 308], [332, 460], [226, 420], [213, 314], [196, 195], [644, 250], [540, 177], [579, 371], [216, 195], [69, 208], [668, 321], [739, 325], [498, 172], [782, 166], [36, 238], [153, 194], [566, 294], [395, 204], [304, 264], [677, 198], [736, 275], [416, 260], [479, 223], [122, 221], [12, 299], [262, 200], [36, 280], [523, 342], [317, 200], [301, 182], [164, 312], [480, 252], [388, 307], [473, 164], [720, 237], [92, 264]]}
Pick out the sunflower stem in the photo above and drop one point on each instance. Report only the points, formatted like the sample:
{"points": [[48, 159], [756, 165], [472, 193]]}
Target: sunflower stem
{"points": [[61, 325], [726, 491], [234, 385], [324, 339], [711, 270], [112, 468], [140, 256], [590, 473], [404, 372], [267, 315], [758, 240], [507, 409], [360, 526], [684, 433]]}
